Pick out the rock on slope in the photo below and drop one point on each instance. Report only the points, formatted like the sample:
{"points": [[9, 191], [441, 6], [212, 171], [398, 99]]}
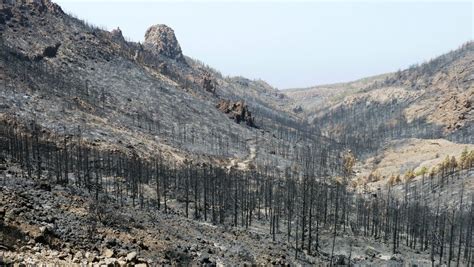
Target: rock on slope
{"points": [[160, 39], [237, 111]]}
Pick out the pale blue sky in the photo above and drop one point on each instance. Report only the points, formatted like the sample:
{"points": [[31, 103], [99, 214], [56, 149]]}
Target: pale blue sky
{"points": [[295, 44]]}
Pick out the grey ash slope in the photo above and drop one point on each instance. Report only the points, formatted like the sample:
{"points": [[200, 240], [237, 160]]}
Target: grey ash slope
{"points": [[72, 78]]}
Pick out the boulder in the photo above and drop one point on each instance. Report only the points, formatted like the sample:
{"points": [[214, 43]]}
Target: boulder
{"points": [[245, 254], [110, 261], [90, 257], [44, 234], [78, 257], [46, 186], [108, 253], [51, 51], [397, 257], [205, 259], [340, 260], [110, 242], [371, 252], [177, 254], [132, 256]]}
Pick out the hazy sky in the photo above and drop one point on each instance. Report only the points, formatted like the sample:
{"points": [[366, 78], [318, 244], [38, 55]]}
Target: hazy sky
{"points": [[295, 44]]}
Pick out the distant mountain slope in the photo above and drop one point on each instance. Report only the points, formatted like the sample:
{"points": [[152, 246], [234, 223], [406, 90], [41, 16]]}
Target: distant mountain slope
{"points": [[398, 122], [431, 100], [312, 99]]}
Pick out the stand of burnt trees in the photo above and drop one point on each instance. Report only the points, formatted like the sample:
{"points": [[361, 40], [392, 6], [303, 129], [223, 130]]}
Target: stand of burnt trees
{"points": [[365, 127], [298, 205]]}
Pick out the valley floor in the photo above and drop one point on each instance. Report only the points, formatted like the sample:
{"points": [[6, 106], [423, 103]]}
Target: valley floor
{"points": [[63, 224]]}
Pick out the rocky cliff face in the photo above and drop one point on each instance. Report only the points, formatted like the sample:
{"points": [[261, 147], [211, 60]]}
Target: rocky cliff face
{"points": [[160, 39]]}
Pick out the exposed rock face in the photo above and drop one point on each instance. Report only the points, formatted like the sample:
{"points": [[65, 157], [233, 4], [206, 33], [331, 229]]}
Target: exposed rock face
{"points": [[238, 111], [160, 39]]}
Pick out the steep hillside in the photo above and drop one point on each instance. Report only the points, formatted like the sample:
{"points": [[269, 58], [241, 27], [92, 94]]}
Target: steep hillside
{"points": [[74, 79], [432, 100]]}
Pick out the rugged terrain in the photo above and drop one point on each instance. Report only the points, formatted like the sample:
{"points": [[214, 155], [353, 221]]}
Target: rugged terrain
{"points": [[54, 224], [116, 153], [427, 108], [58, 71]]}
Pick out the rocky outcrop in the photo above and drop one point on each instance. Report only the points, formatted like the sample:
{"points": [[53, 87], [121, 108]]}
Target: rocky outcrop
{"points": [[116, 35], [160, 39], [453, 112], [208, 83], [238, 111]]}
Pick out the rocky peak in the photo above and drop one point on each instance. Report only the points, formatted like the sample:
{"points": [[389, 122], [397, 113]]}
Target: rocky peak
{"points": [[160, 39]]}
